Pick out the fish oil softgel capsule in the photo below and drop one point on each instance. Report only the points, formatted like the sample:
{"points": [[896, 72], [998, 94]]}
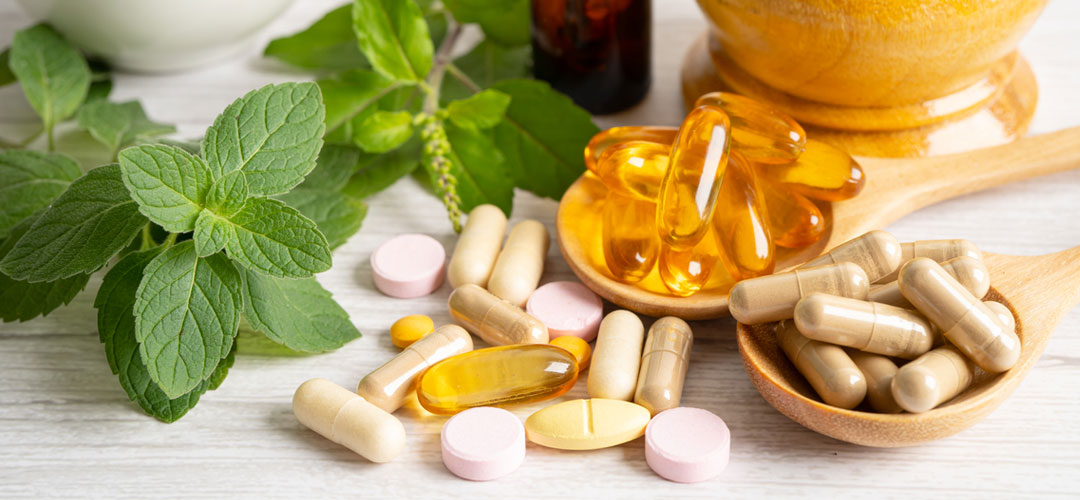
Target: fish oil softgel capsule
{"points": [[477, 247], [616, 135], [692, 181], [520, 263], [829, 369], [390, 384], [795, 221], [496, 321], [685, 271], [664, 364], [634, 168], [740, 223], [762, 133], [617, 356], [631, 245], [773, 297], [867, 326], [968, 271], [343, 417], [876, 252], [822, 172], [932, 379]]}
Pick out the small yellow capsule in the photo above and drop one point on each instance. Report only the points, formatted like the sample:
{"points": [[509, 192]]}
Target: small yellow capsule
{"points": [[741, 225], [631, 244], [822, 172], [634, 168], [762, 133], [577, 346], [409, 329], [607, 138]]}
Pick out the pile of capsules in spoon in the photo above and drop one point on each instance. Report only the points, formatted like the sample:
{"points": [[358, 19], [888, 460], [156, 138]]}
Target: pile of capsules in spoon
{"points": [[900, 325]]}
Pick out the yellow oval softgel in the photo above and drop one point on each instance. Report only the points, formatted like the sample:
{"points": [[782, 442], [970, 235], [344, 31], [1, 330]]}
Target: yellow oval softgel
{"points": [[497, 376], [607, 138], [587, 424], [409, 329], [634, 168], [763, 134], [692, 180], [577, 346]]}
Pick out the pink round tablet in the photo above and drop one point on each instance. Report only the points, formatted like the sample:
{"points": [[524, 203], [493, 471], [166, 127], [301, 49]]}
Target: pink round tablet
{"points": [[409, 265], [567, 308], [481, 444], [687, 445]]}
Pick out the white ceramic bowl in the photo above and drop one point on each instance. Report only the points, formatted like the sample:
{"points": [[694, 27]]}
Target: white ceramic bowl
{"points": [[158, 36]]}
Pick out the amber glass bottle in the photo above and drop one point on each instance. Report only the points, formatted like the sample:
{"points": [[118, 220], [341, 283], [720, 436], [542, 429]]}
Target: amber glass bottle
{"points": [[595, 51]]}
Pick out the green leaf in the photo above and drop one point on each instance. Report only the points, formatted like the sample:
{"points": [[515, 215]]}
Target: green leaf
{"points": [[329, 44], [29, 181], [23, 301], [187, 309], [169, 184], [270, 237], [272, 134], [118, 124], [334, 167], [503, 21], [478, 167], [483, 110], [88, 224], [6, 76], [337, 215], [383, 131], [486, 64], [228, 194], [542, 137], [348, 94], [384, 171], [393, 36], [53, 75], [222, 369], [300, 314], [211, 233]]}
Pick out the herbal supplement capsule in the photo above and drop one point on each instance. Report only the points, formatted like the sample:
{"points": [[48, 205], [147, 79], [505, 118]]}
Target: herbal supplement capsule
{"points": [[795, 222], [477, 247], [686, 271], [773, 297], [936, 250], [866, 326], [764, 134], [607, 138], [631, 245], [587, 424], [345, 418], [497, 376], [521, 262], [822, 172], [1003, 314], [829, 369], [494, 320], [879, 371], [390, 384], [664, 364], [877, 252], [576, 346], [740, 223], [617, 356], [634, 168], [409, 329], [967, 322], [932, 379], [969, 271], [692, 181]]}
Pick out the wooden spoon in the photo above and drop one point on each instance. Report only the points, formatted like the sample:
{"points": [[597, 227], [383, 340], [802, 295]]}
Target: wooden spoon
{"points": [[1039, 291], [894, 188]]}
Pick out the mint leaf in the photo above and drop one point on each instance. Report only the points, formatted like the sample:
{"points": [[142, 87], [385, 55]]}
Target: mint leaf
{"points": [[329, 44], [23, 301], [222, 369], [88, 224], [272, 134], [169, 184], [393, 36], [478, 167], [29, 181], [337, 215], [300, 314], [483, 110], [270, 237], [53, 75], [228, 194], [383, 131], [211, 233], [6, 76], [187, 310], [350, 93], [334, 167], [118, 124], [542, 136], [503, 21], [384, 171]]}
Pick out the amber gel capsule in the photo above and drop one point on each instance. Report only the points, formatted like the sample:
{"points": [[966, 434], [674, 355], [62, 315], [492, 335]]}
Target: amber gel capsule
{"points": [[390, 384], [634, 168], [967, 322], [795, 221], [617, 356], [763, 133], [521, 263], [879, 371], [607, 138], [876, 252], [829, 369], [822, 172], [866, 326], [631, 245], [969, 271], [740, 223], [497, 376], [936, 250], [932, 379], [496, 321], [773, 297], [477, 247], [343, 417], [684, 272], [664, 364]]}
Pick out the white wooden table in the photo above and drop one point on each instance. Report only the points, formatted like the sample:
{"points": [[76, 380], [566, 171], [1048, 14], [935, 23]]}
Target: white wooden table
{"points": [[68, 430]]}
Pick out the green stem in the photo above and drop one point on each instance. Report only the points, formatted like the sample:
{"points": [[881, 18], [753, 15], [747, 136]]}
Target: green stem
{"points": [[51, 137], [374, 99], [147, 239], [463, 78], [170, 240], [438, 68]]}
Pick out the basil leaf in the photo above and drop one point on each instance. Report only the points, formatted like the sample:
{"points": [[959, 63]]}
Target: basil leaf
{"points": [[337, 215], [503, 21], [394, 37], [478, 167], [270, 237], [483, 110], [211, 233], [53, 75], [88, 224], [169, 184], [349, 94], [119, 124], [486, 64], [187, 310], [299, 314], [228, 194], [329, 44], [29, 181], [272, 134], [383, 131], [334, 167], [222, 369], [384, 171], [23, 301], [6, 76]]}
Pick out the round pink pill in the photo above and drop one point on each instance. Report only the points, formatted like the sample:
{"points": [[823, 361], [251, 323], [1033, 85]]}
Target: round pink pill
{"points": [[567, 308], [481, 444], [409, 265], [687, 445]]}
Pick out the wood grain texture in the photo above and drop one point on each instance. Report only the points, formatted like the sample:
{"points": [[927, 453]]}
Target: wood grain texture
{"points": [[68, 430]]}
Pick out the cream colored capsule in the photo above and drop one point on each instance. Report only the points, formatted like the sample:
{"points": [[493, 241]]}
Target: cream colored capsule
{"points": [[521, 262], [477, 247], [1003, 314], [829, 369], [879, 371], [390, 384], [347, 419], [877, 253], [969, 271], [664, 364], [932, 379], [773, 297], [866, 326], [936, 250], [496, 321], [617, 356]]}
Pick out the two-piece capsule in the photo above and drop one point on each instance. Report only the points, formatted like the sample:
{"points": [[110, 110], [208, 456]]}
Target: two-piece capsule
{"points": [[477, 247], [932, 379], [616, 357], [773, 297], [664, 364], [876, 252], [520, 263], [879, 371], [343, 417], [829, 369], [969, 271], [936, 250], [390, 384], [494, 320], [866, 326]]}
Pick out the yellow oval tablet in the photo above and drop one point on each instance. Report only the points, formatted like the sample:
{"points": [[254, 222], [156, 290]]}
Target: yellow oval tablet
{"points": [[409, 329], [587, 424]]}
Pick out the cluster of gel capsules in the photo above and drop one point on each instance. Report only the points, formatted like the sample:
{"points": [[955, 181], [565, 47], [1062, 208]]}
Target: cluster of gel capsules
{"points": [[902, 326], [540, 348], [707, 204]]}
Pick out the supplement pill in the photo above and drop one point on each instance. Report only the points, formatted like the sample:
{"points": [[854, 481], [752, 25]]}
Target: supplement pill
{"points": [[822, 172], [631, 245], [613, 136], [687, 445], [764, 134], [494, 320], [664, 364], [617, 356], [741, 224], [1003, 314], [692, 181], [519, 266], [477, 247], [932, 379], [482, 444], [969, 271], [773, 297], [409, 329], [408, 266], [390, 384], [567, 308], [867, 326], [347, 419], [878, 371], [685, 271], [578, 347], [936, 250], [795, 221], [829, 369], [877, 252], [587, 424], [634, 169]]}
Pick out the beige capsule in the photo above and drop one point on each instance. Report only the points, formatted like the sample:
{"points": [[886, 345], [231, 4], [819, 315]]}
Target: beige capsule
{"points": [[390, 384], [829, 369], [1003, 314], [932, 379], [477, 247], [616, 358], [866, 326], [773, 297], [966, 322], [936, 250], [876, 252], [969, 271], [496, 321], [664, 364], [521, 262], [343, 417], [879, 371]]}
